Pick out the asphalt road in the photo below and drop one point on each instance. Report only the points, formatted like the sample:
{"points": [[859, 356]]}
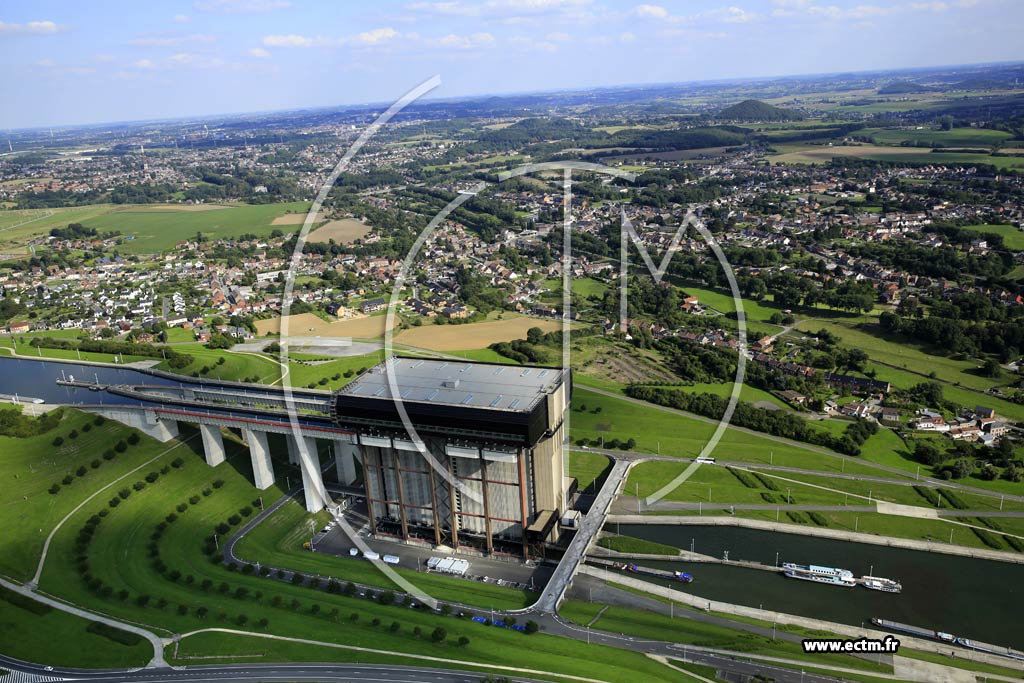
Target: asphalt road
{"points": [[247, 673]]}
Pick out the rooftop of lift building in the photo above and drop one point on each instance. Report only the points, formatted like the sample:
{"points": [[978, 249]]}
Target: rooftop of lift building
{"points": [[503, 388]]}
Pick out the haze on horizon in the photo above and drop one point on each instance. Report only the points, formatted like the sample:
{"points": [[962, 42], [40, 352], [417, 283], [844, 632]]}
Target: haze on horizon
{"points": [[67, 63]]}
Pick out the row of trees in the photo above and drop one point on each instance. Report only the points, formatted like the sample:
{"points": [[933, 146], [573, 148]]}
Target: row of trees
{"points": [[775, 422]]}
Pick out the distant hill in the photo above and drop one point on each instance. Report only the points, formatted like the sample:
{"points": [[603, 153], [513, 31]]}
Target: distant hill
{"points": [[756, 110], [903, 88]]}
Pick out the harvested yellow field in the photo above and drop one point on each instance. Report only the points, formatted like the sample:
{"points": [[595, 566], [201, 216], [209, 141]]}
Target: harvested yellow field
{"points": [[342, 231], [472, 335], [290, 219], [309, 325]]}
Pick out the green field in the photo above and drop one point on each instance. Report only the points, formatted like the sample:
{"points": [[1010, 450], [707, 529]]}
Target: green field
{"points": [[57, 638], [660, 431], [1012, 237], [237, 365], [157, 229], [724, 303], [805, 153], [957, 137], [120, 555], [590, 469], [31, 465], [18, 226], [747, 393], [643, 624], [901, 354]]}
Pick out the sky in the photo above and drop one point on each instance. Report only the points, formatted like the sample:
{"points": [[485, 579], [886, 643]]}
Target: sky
{"points": [[66, 62]]}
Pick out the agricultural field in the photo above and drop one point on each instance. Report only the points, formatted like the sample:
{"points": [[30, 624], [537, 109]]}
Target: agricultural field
{"points": [[19, 226], [310, 325], [158, 228], [957, 137], [794, 153], [343, 231], [473, 335]]}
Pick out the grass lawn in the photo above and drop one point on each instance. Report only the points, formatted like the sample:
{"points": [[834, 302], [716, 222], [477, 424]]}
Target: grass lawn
{"points": [[158, 229], [302, 375], [716, 484], [31, 635], [1012, 237], [119, 556], [656, 430], [902, 353], [723, 302], [965, 397], [936, 531], [237, 366], [747, 393], [24, 349], [643, 624], [31, 465], [180, 334], [590, 469]]}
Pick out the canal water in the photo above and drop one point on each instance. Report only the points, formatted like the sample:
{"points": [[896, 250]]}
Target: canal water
{"points": [[38, 379], [978, 599]]}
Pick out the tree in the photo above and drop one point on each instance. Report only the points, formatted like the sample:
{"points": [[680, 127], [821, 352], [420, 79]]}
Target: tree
{"points": [[438, 635], [962, 469], [927, 454], [535, 335], [463, 641], [532, 626], [990, 368], [395, 626]]}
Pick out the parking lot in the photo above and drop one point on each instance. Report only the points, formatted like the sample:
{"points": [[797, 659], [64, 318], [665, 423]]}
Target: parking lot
{"points": [[501, 571]]}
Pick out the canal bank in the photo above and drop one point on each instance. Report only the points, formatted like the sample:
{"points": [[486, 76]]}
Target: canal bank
{"points": [[970, 597], [784, 619], [833, 534]]}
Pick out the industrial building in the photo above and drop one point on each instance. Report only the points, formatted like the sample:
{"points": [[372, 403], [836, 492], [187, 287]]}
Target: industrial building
{"points": [[484, 469]]}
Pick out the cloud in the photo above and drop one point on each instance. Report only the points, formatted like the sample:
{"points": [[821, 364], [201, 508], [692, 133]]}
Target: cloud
{"points": [[651, 11], [456, 42], [38, 28], [376, 36], [730, 15], [144, 64], [793, 8], [498, 9], [737, 15], [182, 18], [172, 39], [241, 6], [627, 37], [289, 41], [258, 52], [558, 37]]}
